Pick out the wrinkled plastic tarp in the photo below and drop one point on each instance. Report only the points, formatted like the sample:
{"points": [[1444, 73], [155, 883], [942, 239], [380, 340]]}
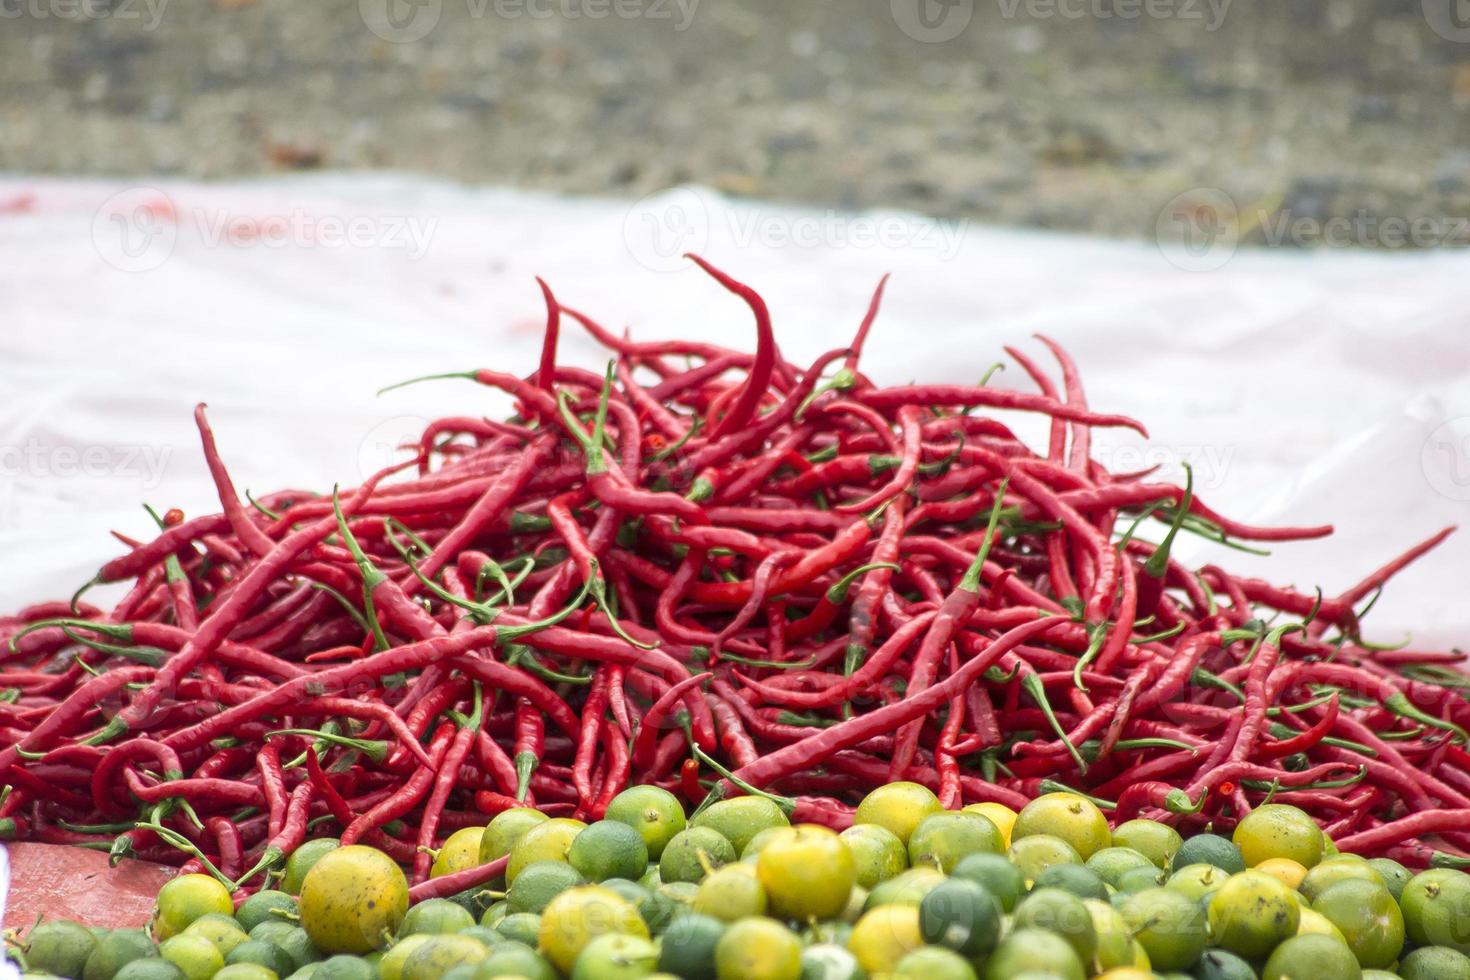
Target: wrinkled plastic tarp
{"points": [[1301, 388], [1330, 386]]}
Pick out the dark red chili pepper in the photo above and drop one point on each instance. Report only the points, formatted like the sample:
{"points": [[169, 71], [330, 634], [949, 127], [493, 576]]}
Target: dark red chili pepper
{"points": [[529, 742], [407, 796], [766, 354], [648, 729], [821, 745], [593, 720], [1159, 796], [444, 783]]}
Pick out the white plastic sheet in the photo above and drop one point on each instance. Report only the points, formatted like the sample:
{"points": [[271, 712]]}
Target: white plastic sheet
{"points": [[1332, 386]]}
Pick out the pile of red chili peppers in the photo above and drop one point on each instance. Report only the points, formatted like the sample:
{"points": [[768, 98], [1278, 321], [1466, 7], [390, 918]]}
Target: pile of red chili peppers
{"points": [[721, 573]]}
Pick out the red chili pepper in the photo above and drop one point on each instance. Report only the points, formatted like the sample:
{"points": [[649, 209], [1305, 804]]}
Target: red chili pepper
{"points": [[529, 743], [813, 750], [653, 719], [444, 783], [689, 782]]}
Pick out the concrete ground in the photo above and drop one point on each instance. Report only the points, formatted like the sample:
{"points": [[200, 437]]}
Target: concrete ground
{"points": [[1107, 116]]}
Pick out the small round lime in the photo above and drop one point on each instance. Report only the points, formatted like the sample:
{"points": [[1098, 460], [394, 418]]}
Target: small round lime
{"points": [[877, 853], [60, 948], [1368, 918], [461, 851], [303, 859], [1208, 849], [733, 892], [1329, 871], [608, 849], [1035, 853], [264, 906], [185, 899], [908, 888], [1168, 925], [1068, 816], [654, 812], [1062, 913], [221, 930], [960, 915], [1110, 862], [898, 807], [807, 872], [1034, 953], [116, 950], [505, 829], [1312, 958], [942, 839], [433, 959], [1435, 963], [1275, 830], [758, 949], [740, 819], [691, 853], [521, 927], [616, 957], [1197, 881], [539, 883], [1395, 876], [1156, 841], [1078, 879], [933, 963], [550, 840], [885, 935], [515, 960], [1436, 907], [830, 961], [687, 948], [1251, 913]]}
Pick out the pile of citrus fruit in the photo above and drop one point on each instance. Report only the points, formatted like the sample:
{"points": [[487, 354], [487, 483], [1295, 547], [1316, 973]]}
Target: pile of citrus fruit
{"points": [[911, 891]]}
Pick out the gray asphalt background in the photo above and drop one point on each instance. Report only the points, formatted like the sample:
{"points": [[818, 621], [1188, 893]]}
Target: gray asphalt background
{"points": [[1087, 115]]}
